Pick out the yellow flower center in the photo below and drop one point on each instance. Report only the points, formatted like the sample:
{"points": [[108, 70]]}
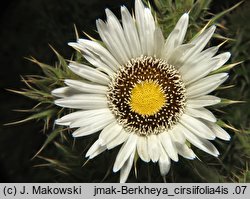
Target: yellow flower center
{"points": [[147, 98]]}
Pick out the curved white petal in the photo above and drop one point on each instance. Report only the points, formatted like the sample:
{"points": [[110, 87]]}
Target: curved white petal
{"points": [[85, 121], [110, 132], [185, 151], [117, 34], [86, 87], [201, 143], [223, 57], [176, 37], [219, 132], [89, 73], [164, 162], [198, 60], [199, 88], [175, 57], [130, 32], [168, 145], [197, 127], [95, 150], [153, 147], [106, 35], [99, 50], [197, 71], [64, 92], [200, 42], [125, 170], [201, 113], [146, 27], [176, 135], [122, 137], [158, 43], [69, 118], [150, 32], [182, 26], [93, 58], [83, 101], [206, 54], [205, 100], [142, 148], [126, 150], [93, 128], [97, 61]]}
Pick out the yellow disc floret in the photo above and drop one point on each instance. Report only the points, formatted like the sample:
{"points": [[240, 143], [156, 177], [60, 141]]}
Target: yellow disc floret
{"points": [[147, 98]]}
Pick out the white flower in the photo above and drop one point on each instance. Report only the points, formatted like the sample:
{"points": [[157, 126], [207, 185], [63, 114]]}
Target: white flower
{"points": [[144, 92]]}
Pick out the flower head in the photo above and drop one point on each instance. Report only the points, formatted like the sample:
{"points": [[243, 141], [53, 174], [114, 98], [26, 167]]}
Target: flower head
{"points": [[144, 92]]}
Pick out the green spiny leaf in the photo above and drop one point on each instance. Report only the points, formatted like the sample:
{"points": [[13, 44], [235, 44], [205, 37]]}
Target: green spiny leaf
{"points": [[49, 139], [225, 68], [37, 116]]}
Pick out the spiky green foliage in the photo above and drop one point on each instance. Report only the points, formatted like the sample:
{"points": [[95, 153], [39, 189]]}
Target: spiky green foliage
{"points": [[169, 11], [65, 156]]}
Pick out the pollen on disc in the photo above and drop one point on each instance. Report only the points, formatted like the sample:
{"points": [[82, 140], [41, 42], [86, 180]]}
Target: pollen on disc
{"points": [[147, 98]]}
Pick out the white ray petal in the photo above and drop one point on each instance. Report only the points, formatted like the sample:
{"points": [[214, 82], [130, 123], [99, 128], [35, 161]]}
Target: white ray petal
{"points": [[83, 101], [64, 92], [130, 32], [145, 25], [224, 57], [106, 34], [182, 26], [97, 61], [153, 147], [206, 54], [205, 85], [98, 49], [89, 73], [176, 37], [205, 100], [219, 132], [122, 137], [207, 80], [175, 57], [69, 118], [164, 162], [117, 33], [176, 135], [201, 113], [95, 150], [158, 43], [93, 128], [86, 87], [105, 115], [140, 22], [150, 32], [169, 145], [126, 150], [197, 127], [110, 132], [201, 143], [125, 170], [195, 72], [92, 58], [200, 42], [142, 148], [185, 151], [102, 30], [198, 60]]}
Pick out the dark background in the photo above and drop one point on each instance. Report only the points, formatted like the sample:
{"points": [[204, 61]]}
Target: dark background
{"points": [[26, 29]]}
